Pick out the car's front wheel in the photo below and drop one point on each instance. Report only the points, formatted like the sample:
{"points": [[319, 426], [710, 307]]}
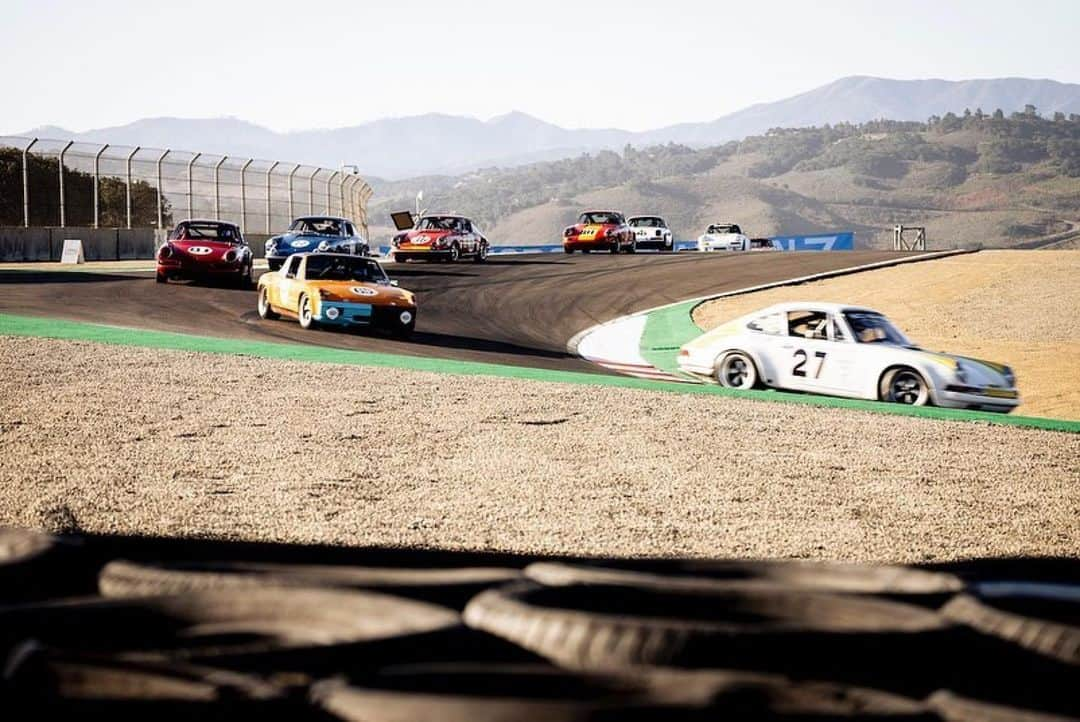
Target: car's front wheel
{"points": [[307, 319], [615, 247], [736, 370], [481, 253], [904, 386], [266, 311], [455, 253]]}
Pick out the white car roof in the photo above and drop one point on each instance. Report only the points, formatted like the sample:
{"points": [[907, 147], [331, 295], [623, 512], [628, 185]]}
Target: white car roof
{"points": [[812, 306]]}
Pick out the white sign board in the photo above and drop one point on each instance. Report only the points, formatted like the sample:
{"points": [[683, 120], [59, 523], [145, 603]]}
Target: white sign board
{"points": [[73, 252]]}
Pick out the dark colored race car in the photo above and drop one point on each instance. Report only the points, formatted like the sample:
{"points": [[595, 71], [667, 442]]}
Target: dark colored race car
{"points": [[438, 237], [319, 234], [205, 250], [599, 231]]}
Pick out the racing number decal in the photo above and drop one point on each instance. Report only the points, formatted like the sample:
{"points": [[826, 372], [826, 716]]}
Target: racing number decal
{"points": [[799, 369]]}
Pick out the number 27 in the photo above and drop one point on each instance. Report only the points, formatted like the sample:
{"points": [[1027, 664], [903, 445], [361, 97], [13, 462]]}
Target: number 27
{"points": [[800, 365]]}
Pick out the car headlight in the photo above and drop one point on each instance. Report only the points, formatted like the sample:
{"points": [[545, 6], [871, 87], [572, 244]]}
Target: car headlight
{"points": [[406, 317], [323, 245]]}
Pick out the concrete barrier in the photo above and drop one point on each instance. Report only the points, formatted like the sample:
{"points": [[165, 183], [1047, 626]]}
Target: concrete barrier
{"points": [[99, 244]]}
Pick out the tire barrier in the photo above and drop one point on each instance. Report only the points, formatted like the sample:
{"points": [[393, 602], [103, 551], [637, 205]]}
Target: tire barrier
{"points": [[451, 587], [137, 628]]}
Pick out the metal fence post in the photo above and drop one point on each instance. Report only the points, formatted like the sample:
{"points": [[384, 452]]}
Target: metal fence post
{"points": [[268, 172], [243, 195], [311, 191], [160, 210], [341, 194], [291, 174], [328, 182], [63, 218], [128, 185], [97, 177], [217, 188], [190, 191], [26, 184]]}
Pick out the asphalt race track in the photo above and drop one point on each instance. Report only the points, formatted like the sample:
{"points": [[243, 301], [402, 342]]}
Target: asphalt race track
{"points": [[513, 309]]}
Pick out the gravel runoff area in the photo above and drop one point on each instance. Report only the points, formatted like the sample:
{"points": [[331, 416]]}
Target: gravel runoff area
{"points": [[115, 439], [1017, 307]]}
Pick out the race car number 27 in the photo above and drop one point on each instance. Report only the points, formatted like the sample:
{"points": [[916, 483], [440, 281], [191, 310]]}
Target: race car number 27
{"points": [[800, 363]]}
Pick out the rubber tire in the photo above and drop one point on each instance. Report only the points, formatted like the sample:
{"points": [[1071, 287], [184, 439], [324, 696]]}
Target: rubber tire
{"points": [[827, 636], [568, 251], [451, 587], [161, 278], [310, 323], [846, 578], [586, 251], [266, 311], [614, 250], [885, 386], [481, 253], [751, 373], [632, 248], [500, 693], [1048, 638], [455, 253]]}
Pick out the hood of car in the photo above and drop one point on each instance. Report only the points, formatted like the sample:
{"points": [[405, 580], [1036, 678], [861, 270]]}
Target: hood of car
{"points": [[357, 292], [976, 372]]}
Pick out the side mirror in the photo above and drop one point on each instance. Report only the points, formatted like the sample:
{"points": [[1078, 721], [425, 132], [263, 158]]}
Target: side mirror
{"points": [[394, 283]]}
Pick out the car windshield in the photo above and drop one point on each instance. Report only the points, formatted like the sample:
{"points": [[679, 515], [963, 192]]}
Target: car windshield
{"points": [[205, 232], [595, 218], [723, 229], [438, 223], [647, 222], [318, 226], [332, 267], [870, 327]]}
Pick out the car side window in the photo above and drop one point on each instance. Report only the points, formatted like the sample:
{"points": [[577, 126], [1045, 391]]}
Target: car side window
{"points": [[837, 329], [466, 227], [290, 269], [808, 324], [772, 324]]}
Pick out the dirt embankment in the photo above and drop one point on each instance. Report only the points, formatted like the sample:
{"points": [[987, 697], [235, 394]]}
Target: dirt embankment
{"points": [[1017, 307], [114, 439]]}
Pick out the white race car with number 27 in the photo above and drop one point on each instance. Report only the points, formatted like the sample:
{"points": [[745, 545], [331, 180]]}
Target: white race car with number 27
{"points": [[840, 350]]}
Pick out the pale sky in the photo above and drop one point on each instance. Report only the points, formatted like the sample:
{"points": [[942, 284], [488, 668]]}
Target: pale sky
{"points": [[627, 64]]}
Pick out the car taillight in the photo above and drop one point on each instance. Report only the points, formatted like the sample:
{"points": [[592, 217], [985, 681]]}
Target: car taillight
{"points": [[165, 252], [230, 256]]}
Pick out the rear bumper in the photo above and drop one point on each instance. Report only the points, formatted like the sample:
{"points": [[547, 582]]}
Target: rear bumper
{"points": [[412, 254], [601, 245], [194, 269], [659, 243]]}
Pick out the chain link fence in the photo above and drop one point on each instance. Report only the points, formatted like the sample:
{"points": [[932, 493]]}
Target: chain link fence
{"points": [[64, 183]]}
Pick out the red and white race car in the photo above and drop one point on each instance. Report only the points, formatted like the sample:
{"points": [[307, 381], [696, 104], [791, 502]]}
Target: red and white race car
{"points": [[204, 250], [599, 231], [437, 237]]}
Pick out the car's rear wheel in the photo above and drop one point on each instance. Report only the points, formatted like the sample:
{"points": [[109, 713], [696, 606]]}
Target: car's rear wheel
{"points": [[904, 386], [307, 319], [161, 278], [736, 370], [568, 251], [266, 311]]}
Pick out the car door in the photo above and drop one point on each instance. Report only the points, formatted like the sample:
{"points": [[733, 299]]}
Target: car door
{"points": [[816, 355], [289, 284]]}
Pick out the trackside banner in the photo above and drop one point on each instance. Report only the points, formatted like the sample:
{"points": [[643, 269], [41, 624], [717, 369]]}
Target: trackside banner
{"points": [[844, 241]]}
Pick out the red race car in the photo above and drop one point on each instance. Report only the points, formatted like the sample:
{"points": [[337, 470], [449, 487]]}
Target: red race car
{"points": [[438, 237], [205, 250], [599, 231]]}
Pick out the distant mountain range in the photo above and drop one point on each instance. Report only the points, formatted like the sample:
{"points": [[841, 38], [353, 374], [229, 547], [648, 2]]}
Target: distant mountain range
{"points": [[444, 144]]}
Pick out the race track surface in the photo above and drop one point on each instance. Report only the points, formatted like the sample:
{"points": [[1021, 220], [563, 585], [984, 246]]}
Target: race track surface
{"points": [[519, 310]]}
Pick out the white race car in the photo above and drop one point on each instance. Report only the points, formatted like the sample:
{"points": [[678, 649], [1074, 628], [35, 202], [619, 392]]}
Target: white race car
{"points": [[651, 232], [840, 350], [723, 237]]}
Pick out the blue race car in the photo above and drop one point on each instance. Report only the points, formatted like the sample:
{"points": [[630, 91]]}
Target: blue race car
{"points": [[319, 234]]}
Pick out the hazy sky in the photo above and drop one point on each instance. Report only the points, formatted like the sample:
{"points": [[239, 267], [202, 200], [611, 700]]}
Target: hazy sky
{"points": [[628, 64]]}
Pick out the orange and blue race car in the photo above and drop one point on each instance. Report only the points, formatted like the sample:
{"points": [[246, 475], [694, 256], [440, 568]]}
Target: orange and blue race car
{"points": [[335, 289], [599, 231], [202, 250], [440, 237]]}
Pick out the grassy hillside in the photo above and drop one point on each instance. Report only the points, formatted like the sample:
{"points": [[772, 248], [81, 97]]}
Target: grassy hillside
{"points": [[976, 178]]}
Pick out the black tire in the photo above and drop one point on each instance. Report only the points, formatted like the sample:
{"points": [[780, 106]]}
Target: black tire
{"points": [[586, 251], [304, 313], [455, 253], [846, 578], [481, 253], [266, 311], [1039, 625], [161, 278], [510, 692], [805, 634], [736, 370], [232, 627], [247, 280], [568, 251], [632, 248], [904, 385], [614, 250], [445, 586]]}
